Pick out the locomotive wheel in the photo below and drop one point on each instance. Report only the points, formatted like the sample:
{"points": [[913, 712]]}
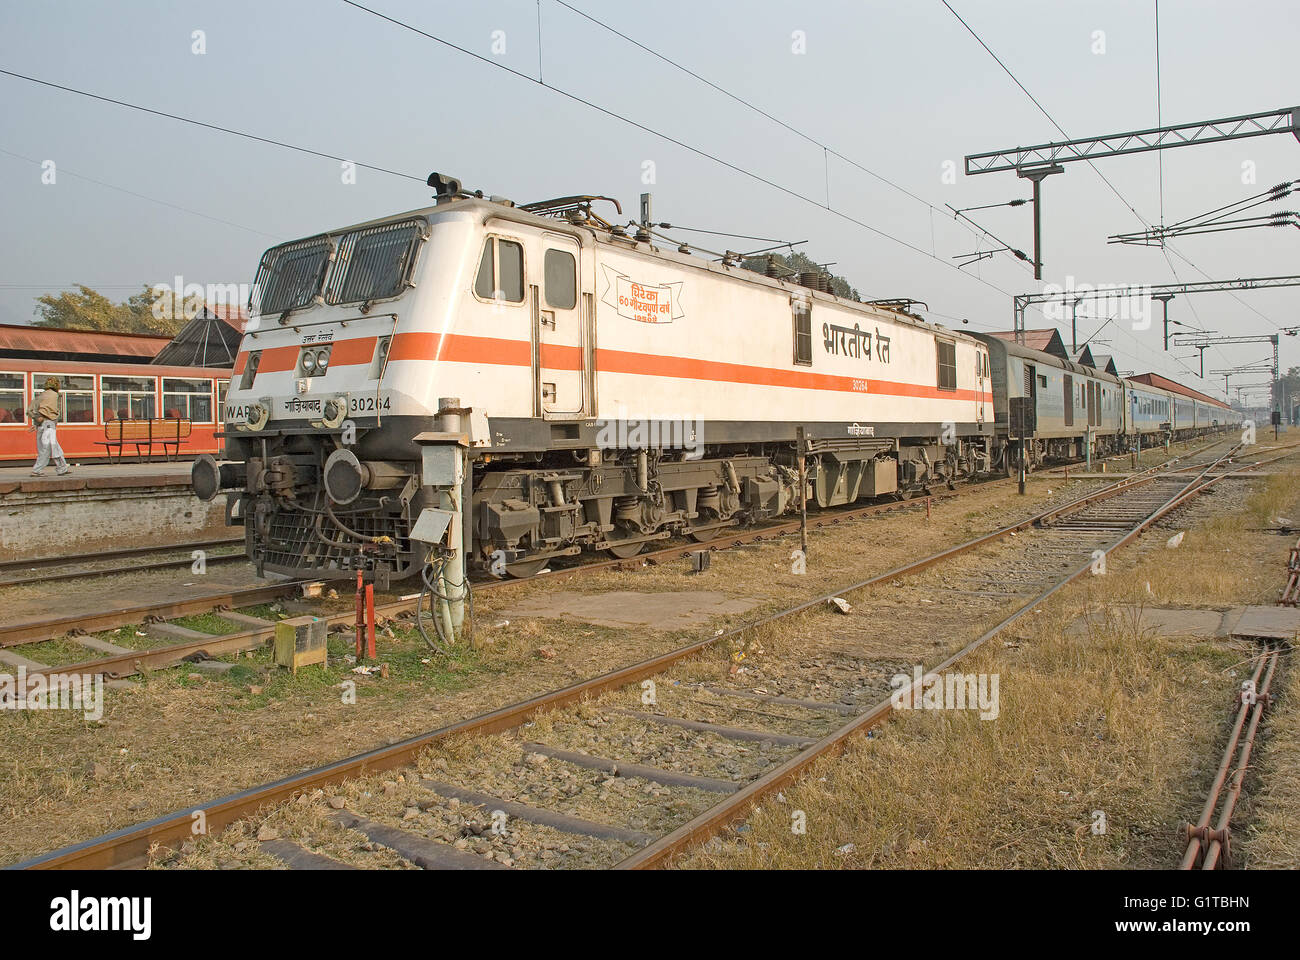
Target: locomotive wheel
{"points": [[701, 536], [624, 551], [525, 568]]}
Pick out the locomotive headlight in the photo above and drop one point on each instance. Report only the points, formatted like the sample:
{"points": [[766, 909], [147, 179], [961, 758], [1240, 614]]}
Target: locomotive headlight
{"points": [[308, 362], [322, 359]]}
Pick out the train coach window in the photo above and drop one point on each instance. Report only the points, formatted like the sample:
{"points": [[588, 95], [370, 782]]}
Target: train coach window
{"points": [[561, 280], [12, 407], [501, 271], [129, 398], [947, 364], [76, 397], [187, 399]]}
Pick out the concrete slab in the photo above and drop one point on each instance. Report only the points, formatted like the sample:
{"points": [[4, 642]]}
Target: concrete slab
{"points": [[1268, 623], [246, 619], [18, 660], [102, 646], [214, 667], [171, 630], [676, 610], [1170, 621]]}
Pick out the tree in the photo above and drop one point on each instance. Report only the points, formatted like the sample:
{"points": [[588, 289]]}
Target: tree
{"points": [[148, 311], [796, 263], [1286, 392]]}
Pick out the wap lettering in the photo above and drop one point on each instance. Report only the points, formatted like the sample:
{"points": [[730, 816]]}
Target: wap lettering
{"points": [[646, 303]]}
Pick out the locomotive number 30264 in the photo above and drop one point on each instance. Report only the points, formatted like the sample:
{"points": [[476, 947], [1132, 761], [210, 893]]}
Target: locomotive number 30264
{"points": [[369, 404]]}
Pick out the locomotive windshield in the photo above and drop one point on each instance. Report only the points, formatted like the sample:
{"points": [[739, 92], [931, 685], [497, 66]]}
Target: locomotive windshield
{"points": [[355, 267]]}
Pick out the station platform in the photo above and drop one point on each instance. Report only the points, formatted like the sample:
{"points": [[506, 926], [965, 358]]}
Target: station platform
{"points": [[100, 507], [97, 475]]}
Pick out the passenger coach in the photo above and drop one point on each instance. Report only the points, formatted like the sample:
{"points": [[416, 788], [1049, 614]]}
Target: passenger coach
{"points": [[95, 396]]}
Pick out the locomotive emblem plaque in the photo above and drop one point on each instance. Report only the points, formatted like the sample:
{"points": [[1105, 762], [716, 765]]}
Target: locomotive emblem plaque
{"points": [[661, 303]]}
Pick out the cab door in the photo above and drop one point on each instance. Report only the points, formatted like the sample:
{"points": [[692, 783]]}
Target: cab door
{"points": [[562, 364]]}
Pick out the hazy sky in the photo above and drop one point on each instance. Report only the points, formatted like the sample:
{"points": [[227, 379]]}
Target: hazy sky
{"points": [[898, 87]]}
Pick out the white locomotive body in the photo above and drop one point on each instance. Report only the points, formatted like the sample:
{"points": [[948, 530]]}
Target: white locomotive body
{"points": [[612, 392]]}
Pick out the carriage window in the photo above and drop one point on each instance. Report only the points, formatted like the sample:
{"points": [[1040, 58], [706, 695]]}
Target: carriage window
{"points": [[127, 398], [802, 312], [947, 364], [187, 399], [12, 407], [76, 396], [501, 271], [561, 280], [223, 387]]}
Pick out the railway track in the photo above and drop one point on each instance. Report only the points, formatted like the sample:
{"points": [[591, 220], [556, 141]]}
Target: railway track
{"points": [[84, 565], [701, 750], [123, 661]]}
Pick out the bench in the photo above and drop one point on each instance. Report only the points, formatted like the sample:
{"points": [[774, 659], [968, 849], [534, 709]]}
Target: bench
{"points": [[143, 435]]}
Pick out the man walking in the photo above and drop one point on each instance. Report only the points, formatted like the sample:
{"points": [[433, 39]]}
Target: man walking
{"points": [[44, 413]]}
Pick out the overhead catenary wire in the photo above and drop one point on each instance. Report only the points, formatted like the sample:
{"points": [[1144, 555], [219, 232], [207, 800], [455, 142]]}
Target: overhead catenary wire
{"points": [[270, 141], [734, 167], [1115, 190], [827, 150], [64, 171]]}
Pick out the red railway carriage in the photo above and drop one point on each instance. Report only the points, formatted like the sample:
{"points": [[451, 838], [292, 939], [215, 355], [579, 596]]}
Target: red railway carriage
{"points": [[93, 394]]}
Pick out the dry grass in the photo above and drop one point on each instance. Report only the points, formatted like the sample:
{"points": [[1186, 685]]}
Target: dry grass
{"points": [[1113, 718]]}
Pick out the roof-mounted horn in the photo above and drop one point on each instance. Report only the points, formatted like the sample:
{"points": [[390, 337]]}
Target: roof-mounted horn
{"points": [[446, 188]]}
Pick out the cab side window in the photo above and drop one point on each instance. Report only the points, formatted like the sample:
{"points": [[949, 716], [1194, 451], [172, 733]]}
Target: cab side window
{"points": [[561, 280], [501, 271]]}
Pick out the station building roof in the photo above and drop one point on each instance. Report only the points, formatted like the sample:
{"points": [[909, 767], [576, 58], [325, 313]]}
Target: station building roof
{"points": [[23, 342]]}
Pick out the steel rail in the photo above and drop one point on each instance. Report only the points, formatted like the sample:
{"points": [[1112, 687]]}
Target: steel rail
{"points": [[1219, 843], [114, 554], [124, 846], [86, 573], [124, 664], [1194, 832], [737, 806], [14, 634], [141, 661], [37, 631]]}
